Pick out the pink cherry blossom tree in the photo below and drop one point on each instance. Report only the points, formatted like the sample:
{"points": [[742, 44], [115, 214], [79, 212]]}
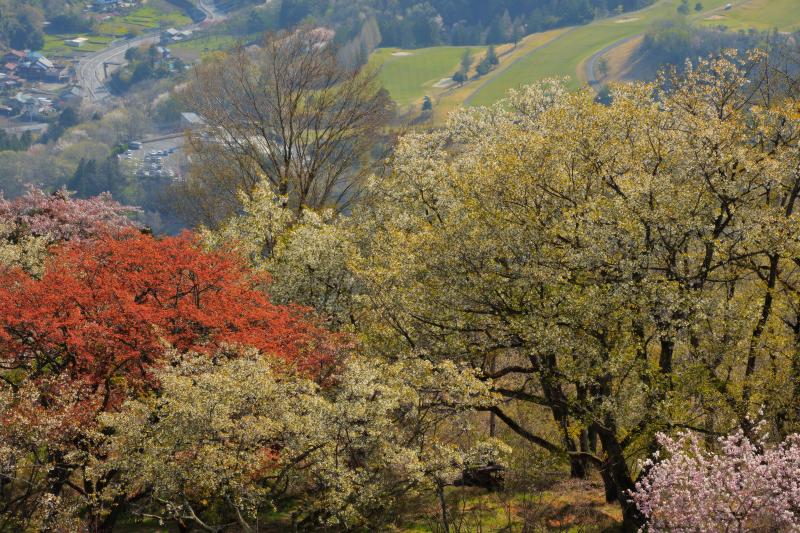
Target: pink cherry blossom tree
{"points": [[744, 486], [59, 217]]}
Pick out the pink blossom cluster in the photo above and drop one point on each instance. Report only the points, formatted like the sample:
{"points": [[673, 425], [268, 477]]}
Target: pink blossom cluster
{"points": [[745, 486], [60, 217]]}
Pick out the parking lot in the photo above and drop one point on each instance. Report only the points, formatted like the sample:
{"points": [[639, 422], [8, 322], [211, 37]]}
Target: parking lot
{"points": [[157, 159]]}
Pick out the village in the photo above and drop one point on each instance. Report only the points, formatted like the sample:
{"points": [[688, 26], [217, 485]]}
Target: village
{"points": [[35, 85]]}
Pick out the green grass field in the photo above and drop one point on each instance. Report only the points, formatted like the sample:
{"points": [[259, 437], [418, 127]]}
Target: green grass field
{"points": [[54, 45], [194, 48], [759, 14], [141, 20], [409, 77], [563, 56]]}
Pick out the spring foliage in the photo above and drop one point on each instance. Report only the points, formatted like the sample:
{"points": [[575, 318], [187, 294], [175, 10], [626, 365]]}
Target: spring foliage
{"points": [[91, 331], [629, 268], [242, 436], [34, 221], [747, 486]]}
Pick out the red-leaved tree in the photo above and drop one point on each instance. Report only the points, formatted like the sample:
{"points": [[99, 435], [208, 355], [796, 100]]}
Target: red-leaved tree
{"points": [[107, 308], [105, 313]]}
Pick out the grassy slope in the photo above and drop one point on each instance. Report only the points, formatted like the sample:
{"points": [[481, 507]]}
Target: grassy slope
{"points": [[54, 46], [759, 14], [564, 56], [409, 78], [629, 61], [156, 15], [195, 48], [144, 19]]}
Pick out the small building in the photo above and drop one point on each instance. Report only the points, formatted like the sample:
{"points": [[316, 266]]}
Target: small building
{"points": [[70, 96], [190, 121], [14, 56], [77, 42], [105, 5], [172, 35]]}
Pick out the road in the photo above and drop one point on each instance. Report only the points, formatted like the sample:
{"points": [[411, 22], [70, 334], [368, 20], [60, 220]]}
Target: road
{"points": [[591, 76], [90, 72], [35, 127], [591, 63]]}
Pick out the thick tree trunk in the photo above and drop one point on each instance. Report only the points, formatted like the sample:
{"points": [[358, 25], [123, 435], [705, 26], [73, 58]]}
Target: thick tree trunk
{"points": [[578, 463], [553, 391], [617, 478]]}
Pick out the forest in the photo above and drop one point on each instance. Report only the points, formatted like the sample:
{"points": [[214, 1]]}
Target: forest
{"points": [[412, 24], [22, 21], [366, 330]]}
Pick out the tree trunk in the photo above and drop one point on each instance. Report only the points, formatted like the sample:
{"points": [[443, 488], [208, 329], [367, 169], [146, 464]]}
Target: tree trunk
{"points": [[617, 477], [443, 504]]}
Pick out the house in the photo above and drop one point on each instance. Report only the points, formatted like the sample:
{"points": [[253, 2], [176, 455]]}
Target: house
{"points": [[58, 74], [37, 67], [70, 96], [8, 80], [104, 5], [77, 42], [169, 35], [14, 57], [173, 35]]}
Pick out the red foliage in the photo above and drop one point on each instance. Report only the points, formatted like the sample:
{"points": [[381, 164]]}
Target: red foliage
{"points": [[105, 308]]}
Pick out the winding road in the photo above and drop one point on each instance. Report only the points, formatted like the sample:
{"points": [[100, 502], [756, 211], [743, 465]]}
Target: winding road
{"points": [[90, 72], [591, 63]]}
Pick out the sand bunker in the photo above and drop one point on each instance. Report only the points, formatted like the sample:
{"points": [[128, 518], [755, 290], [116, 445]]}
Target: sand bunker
{"points": [[444, 83], [715, 17], [402, 54], [623, 21]]}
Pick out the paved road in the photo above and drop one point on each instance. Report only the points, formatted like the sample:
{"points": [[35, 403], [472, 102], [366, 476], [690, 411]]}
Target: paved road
{"points": [[591, 77], [90, 72], [591, 63], [36, 127]]}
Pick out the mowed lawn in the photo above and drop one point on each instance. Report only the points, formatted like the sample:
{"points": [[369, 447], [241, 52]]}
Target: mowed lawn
{"points": [[759, 14], [54, 45], [143, 19], [409, 75], [564, 56], [196, 47]]}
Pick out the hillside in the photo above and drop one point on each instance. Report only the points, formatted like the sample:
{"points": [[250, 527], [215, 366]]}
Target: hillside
{"points": [[574, 52]]}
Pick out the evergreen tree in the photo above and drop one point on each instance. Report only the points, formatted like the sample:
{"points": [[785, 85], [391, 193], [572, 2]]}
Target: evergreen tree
{"points": [[491, 56], [427, 104]]}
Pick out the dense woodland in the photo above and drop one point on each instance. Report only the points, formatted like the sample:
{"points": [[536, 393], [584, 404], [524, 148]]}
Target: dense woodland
{"points": [[361, 329], [553, 287], [410, 23], [22, 21], [672, 41]]}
